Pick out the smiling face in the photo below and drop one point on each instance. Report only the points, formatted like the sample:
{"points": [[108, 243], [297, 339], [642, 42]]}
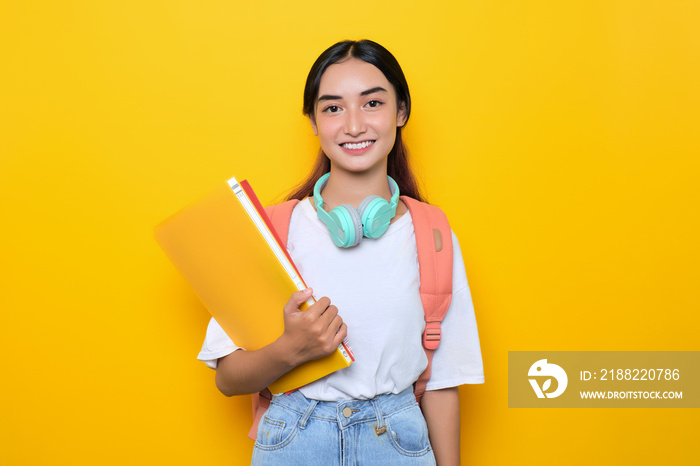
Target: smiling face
{"points": [[356, 116]]}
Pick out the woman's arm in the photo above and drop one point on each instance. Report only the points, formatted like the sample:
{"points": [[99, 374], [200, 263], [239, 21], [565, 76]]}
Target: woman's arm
{"points": [[441, 411], [307, 335]]}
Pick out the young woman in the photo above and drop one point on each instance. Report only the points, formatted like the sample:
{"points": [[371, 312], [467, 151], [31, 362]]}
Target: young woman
{"points": [[357, 101]]}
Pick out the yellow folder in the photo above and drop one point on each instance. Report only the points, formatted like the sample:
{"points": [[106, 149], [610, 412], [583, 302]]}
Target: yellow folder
{"points": [[224, 247]]}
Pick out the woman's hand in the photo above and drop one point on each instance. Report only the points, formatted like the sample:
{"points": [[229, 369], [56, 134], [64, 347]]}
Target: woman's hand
{"points": [[307, 335], [313, 333]]}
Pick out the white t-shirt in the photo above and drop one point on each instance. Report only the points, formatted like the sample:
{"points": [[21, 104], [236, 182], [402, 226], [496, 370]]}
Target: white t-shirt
{"points": [[375, 286]]}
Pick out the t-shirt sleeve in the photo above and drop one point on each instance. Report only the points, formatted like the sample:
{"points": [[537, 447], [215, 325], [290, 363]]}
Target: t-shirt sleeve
{"points": [[217, 344], [457, 360]]}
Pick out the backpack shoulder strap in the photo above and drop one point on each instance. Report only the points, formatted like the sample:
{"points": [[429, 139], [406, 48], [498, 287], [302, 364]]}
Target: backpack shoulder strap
{"points": [[278, 216], [434, 246], [261, 401]]}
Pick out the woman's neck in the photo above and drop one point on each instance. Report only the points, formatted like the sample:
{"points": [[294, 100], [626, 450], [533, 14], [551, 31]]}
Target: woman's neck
{"points": [[351, 188]]}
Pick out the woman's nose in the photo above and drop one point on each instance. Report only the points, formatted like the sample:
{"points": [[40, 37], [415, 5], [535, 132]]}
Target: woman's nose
{"points": [[354, 123]]}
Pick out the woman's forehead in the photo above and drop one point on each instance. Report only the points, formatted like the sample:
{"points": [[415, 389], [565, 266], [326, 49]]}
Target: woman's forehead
{"points": [[352, 77]]}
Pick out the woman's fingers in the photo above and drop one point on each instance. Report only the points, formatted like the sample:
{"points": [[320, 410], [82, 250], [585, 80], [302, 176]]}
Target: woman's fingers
{"points": [[318, 308], [315, 332], [296, 300], [340, 334]]}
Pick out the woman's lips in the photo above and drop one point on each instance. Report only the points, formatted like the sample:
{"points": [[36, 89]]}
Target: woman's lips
{"points": [[357, 147]]}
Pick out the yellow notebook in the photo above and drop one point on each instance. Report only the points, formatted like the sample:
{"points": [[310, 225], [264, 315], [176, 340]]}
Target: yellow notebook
{"points": [[225, 248]]}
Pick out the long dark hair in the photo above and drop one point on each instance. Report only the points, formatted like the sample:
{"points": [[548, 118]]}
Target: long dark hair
{"points": [[398, 166]]}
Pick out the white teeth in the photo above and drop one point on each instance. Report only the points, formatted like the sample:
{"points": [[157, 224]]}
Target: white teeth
{"points": [[360, 145]]}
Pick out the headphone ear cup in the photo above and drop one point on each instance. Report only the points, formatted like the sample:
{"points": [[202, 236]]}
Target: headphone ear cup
{"points": [[375, 214], [347, 231]]}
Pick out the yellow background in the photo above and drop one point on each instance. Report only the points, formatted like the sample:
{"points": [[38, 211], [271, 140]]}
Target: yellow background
{"points": [[560, 137]]}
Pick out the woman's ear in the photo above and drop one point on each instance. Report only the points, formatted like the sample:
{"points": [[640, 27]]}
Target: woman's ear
{"points": [[312, 120], [401, 115]]}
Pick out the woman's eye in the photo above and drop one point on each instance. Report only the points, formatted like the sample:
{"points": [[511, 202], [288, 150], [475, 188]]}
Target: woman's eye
{"points": [[332, 109], [373, 103]]}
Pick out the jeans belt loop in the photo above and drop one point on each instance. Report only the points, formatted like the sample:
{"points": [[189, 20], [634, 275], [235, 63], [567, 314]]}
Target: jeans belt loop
{"points": [[307, 414], [380, 428]]}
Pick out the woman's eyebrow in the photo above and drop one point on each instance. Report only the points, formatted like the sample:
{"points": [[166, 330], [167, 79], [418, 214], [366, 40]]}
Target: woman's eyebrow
{"points": [[373, 90], [363, 93], [329, 97]]}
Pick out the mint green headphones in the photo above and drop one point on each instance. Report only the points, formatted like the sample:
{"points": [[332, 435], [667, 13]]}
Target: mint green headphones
{"points": [[347, 225]]}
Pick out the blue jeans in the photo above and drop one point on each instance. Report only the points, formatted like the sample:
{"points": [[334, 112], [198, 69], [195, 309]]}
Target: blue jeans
{"points": [[388, 429]]}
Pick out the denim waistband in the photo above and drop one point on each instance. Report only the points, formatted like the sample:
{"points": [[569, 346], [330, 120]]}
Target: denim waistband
{"points": [[349, 412]]}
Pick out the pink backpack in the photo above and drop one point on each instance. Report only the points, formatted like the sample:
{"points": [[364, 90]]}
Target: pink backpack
{"points": [[434, 244]]}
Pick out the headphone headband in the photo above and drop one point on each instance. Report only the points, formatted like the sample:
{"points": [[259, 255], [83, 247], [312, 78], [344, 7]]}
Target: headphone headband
{"points": [[347, 224], [323, 181]]}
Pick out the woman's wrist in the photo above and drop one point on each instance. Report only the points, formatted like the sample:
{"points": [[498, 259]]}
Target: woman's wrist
{"points": [[282, 350]]}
